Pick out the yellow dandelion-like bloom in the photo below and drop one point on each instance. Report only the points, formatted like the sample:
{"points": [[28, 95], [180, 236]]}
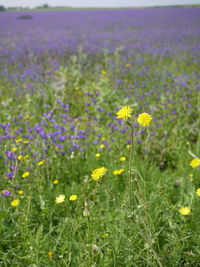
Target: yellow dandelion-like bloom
{"points": [[195, 163], [102, 146], [26, 157], [40, 163], [26, 142], [98, 173], [98, 155], [144, 119], [128, 146], [18, 140], [20, 157], [122, 158], [20, 192], [104, 72], [124, 112], [15, 203], [117, 172], [55, 182], [73, 197], [184, 211], [60, 199], [25, 174], [105, 235], [198, 192], [14, 149]]}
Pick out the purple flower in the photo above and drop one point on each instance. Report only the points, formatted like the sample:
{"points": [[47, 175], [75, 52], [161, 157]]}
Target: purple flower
{"points": [[6, 193], [9, 175]]}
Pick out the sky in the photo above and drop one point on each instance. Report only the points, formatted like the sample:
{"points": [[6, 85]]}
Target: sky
{"points": [[96, 3]]}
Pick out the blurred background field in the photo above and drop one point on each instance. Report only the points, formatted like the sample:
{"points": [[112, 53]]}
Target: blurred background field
{"points": [[63, 77]]}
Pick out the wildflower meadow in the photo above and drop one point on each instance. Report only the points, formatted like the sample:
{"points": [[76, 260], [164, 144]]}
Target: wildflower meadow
{"points": [[100, 138]]}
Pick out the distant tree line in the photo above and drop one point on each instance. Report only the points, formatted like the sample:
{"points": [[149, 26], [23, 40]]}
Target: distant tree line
{"points": [[2, 8], [43, 6]]}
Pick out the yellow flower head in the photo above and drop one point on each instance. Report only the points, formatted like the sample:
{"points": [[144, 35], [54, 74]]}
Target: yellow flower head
{"points": [[195, 163], [198, 192], [117, 172], [102, 146], [124, 112], [105, 235], [104, 72], [73, 197], [15, 203], [25, 174], [122, 158], [60, 199], [98, 173], [144, 119], [18, 140], [40, 163], [20, 192], [184, 211], [55, 181], [14, 149], [19, 157], [98, 155]]}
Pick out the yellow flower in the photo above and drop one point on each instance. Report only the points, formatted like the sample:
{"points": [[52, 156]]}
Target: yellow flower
{"points": [[98, 155], [15, 203], [117, 172], [55, 181], [18, 140], [144, 119], [26, 157], [19, 157], [20, 192], [25, 174], [195, 163], [105, 235], [198, 192], [26, 142], [124, 112], [122, 158], [98, 173], [40, 163], [14, 149], [60, 199], [104, 72], [50, 254], [73, 197], [184, 211], [102, 146]]}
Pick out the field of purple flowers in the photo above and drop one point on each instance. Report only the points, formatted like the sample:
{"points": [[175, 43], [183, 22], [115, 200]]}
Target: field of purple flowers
{"points": [[99, 137]]}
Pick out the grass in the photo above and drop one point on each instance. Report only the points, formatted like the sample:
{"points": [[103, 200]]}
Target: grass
{"points": [[123, 227]]}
